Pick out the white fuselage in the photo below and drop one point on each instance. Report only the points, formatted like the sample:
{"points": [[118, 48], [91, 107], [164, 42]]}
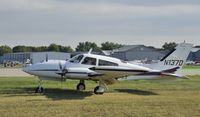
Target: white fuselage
{"points": [[100, 67]]}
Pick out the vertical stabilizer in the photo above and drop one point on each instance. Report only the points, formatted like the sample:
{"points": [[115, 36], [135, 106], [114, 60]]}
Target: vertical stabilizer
{"points": [[174, 59]]}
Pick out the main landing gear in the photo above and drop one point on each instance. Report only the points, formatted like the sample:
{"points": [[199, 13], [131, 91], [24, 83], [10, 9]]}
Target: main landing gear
{"points": [[99, 90], [39, 89]]}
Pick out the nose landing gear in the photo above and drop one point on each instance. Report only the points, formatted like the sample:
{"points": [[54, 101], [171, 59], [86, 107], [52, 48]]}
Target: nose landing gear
{"points": [[81, 86], [39, 89]]}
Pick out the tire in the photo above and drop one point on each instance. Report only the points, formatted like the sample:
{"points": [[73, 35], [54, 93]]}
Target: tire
{"points": [[36, 90], [39, 90], [80, 87], [96, 91]]}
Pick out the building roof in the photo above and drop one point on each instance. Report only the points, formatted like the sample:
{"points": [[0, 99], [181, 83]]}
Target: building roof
{"points": [[195, 49], [33, 52], [126, 48], [106, 52]]}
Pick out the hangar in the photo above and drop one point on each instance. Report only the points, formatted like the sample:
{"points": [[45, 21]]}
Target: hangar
{"points": [[194, 54], [142, 52], [138, 52], [35, 57]]}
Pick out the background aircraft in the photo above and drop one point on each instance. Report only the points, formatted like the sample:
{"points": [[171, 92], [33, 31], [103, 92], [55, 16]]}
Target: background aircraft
{"points": [[105, 69]]}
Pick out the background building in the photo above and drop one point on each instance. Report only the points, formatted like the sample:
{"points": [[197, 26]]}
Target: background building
{"points": [[194, 54], [1, 59], [35, 57], [141, 52], [137, 52]]}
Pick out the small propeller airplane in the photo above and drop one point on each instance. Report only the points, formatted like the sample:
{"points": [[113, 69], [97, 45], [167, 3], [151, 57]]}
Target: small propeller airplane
{"points": [[104, 69]]}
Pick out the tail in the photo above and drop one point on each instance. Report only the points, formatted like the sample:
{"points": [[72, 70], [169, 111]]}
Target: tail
{"points": [[174, 60]]}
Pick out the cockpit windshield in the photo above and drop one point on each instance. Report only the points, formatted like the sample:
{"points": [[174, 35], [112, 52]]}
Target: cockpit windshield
{"points": [[76, 59]]}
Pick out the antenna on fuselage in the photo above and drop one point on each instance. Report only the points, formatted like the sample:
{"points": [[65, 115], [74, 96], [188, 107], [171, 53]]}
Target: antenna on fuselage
{"points": [[90, 51]]}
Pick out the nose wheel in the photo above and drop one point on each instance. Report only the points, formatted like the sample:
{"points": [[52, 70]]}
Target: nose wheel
{"points": [[39, 89], [81, 86]]}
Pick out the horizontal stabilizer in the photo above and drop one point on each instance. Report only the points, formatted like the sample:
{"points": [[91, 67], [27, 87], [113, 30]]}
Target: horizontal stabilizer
{"points": [[172, 70]]}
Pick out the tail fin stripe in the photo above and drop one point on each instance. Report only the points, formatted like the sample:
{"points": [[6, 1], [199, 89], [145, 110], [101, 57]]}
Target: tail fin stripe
{"points": [[167, 55]]}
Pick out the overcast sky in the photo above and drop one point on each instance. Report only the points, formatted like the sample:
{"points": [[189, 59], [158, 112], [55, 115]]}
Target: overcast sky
{"points": [[67, 22]]}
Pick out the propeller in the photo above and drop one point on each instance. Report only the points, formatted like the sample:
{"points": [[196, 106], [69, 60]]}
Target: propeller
{"points": [[62, 70]]}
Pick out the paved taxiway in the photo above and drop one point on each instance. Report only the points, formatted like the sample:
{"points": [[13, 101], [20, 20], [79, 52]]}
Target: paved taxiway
{"points": [[10, 72]]}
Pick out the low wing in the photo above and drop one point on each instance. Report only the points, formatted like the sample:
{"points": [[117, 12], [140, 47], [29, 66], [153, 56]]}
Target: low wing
{"points": [[114, 76], [169, 73]]}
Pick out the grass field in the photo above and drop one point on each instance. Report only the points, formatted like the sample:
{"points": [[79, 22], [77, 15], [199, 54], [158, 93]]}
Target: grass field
{"points": [[179, 98], [191, 66]]}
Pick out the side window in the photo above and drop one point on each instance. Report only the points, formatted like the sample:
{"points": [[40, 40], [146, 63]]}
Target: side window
{"points": [[106, 63], [89, 61]]}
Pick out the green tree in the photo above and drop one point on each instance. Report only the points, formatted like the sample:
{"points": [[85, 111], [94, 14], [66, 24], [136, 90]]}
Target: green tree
{"points": [[30, 49], [86, 46], [53, 47], [5, 49], [42, 49], [65, 49], [110, 46], [19, 48], [169, 46]]}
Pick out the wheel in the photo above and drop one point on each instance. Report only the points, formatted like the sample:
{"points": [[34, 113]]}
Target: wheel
{"points": [[80, 87], [39, 90], [98, 90], [95, 90], [36, 90]]}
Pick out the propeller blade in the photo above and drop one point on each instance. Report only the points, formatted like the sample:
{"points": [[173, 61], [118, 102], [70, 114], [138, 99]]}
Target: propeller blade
{"points": [[64, 68], [60, 66], [47, 57]]}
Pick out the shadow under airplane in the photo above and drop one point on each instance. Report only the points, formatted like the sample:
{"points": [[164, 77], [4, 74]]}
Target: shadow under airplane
{"points": [[60, 94], [52, 93], [135, 91]]}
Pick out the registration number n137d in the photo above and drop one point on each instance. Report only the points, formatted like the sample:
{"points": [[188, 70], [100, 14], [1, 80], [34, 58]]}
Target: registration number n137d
{"points": [[173, 62]]}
